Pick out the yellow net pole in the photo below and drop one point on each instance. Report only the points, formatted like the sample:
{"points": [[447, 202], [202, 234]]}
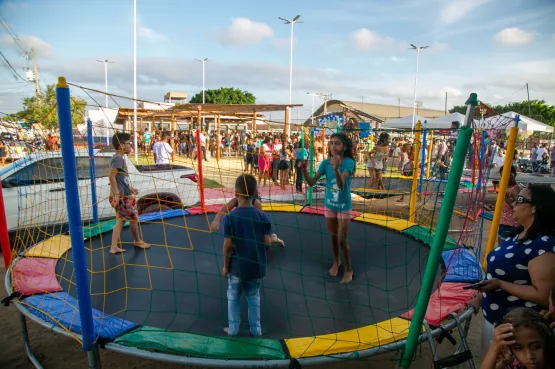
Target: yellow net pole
{"points": [[218, 141], [430, 154], [503, 184], [413, 191]]}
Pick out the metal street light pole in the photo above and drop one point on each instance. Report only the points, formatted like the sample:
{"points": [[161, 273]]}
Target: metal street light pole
{"points": [[202, 61], [417, 48], [135, 148], [106, 62], [292, 23], [312, 114]]}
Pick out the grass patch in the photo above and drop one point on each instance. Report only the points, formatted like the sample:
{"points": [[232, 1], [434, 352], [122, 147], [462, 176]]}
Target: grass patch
{"points": [[210, 183]]}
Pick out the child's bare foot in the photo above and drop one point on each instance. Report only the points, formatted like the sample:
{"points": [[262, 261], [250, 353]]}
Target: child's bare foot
{"points": [[116, 250], [334, 269], [141, 244], [226, 330], [347, 277]]}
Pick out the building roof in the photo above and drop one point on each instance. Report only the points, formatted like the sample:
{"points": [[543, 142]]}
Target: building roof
{"points": [[377, 112]]}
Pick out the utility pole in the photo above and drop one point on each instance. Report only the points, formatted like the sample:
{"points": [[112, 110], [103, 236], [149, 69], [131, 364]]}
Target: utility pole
{"points": [[528, 93], [445, 102], [362, 103], [399, 104], [36, 73]]}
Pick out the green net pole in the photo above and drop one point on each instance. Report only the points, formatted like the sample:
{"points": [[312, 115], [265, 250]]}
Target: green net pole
{"points": [[444, 220], [311, 165]]}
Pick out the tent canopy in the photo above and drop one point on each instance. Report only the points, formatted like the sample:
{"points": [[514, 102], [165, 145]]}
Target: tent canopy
{"points": [[405, 122], [525, 123], [445, 122]]}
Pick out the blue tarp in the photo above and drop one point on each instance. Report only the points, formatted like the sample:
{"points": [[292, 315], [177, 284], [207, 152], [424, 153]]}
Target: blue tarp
{"points": [[461, 266], [62, 310], [164, 214]]}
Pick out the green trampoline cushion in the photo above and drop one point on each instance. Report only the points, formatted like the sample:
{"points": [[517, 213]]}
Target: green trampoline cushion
{"points": [[96, 229], [188, 344], [426, 235]]}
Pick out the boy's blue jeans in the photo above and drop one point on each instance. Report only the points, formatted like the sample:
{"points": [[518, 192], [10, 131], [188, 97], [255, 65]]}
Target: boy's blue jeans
{"points": [[251, 289]]}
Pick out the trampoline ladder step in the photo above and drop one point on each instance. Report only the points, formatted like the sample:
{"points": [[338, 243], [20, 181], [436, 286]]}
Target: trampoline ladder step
{"points": [[453, 360]]}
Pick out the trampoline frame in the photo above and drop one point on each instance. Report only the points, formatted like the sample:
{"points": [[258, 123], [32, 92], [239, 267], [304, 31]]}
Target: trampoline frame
{"points": [[465, 316]]}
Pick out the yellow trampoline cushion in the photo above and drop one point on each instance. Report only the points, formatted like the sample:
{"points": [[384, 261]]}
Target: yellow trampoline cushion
{"points": [[281, 207], [385, 221], [354, 340], [53, 247]]}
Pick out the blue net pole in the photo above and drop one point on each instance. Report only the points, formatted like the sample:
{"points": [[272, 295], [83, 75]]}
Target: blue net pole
{"points": [[422, 161], [482, 154], [74, 213], [92, 171]]}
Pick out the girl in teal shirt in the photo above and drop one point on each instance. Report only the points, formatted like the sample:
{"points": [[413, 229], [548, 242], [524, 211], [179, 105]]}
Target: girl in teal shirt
{"points": [[338, 169]]}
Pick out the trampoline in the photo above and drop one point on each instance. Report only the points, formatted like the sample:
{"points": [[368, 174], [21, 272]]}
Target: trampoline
{"points": [[176, 285], [169, 302]]}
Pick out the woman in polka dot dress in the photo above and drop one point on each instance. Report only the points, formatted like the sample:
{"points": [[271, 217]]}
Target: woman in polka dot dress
{"points": [[520, 271]]}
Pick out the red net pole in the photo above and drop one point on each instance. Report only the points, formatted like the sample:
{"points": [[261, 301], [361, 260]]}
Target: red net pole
{"points": [[4, 238], [199, 163]]}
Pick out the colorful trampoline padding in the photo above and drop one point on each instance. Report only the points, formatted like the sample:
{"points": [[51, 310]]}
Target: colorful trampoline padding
{"points": [[448, 298], [461, 266], [61, 309], [426, 235], [53, 247], [35, 275], [353, 340], [385, 221], [192, 344]]}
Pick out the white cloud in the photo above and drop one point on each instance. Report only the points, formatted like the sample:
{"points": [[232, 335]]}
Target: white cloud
{"points": [[243, 31], [455, 10], [365, 39], [514, 37], [150, 35], [397, 59], [439, 46], [42, 48]]}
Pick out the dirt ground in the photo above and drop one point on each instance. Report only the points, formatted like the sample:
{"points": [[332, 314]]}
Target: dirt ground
{"points": [[58, 352]]}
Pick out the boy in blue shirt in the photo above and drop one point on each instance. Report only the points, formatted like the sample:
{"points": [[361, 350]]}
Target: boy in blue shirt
{"points": [[247, 236]]}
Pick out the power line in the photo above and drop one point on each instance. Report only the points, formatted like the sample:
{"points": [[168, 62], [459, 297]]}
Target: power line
{"points": [[505, 98], [12, 68]]}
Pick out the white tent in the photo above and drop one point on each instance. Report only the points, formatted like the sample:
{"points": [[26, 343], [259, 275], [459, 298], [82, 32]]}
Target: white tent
{"points": [[445, 122], [405, 122], [525, 123]]}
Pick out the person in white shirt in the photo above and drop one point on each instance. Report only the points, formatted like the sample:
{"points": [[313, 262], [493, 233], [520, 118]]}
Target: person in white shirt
{"points": [[203, 145], [162, 150], [498, 161]]}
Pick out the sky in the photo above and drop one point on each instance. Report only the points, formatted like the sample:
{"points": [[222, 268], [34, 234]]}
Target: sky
{"points": [[353, 49]]}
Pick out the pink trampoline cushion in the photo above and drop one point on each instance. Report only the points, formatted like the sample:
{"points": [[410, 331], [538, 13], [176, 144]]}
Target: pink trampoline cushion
{"points": [[448, 298], [207, 209], [320, 210], [35, 275]]}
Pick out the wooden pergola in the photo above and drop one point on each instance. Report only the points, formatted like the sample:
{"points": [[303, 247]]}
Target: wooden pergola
{"points": [[192, 112]]}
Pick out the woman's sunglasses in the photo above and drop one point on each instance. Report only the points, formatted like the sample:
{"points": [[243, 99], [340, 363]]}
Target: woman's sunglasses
{"points": [[522, 200]]}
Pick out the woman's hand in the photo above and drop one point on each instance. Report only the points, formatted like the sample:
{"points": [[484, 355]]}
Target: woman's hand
{"points": [[489, 285], [214, 226]]}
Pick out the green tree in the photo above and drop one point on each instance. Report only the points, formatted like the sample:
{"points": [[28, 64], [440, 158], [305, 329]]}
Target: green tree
{"points": [[539, 110], [40, 109], [225, 95]]}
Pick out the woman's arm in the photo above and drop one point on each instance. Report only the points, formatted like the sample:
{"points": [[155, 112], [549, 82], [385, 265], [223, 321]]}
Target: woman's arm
{"points": [[542, 275]]}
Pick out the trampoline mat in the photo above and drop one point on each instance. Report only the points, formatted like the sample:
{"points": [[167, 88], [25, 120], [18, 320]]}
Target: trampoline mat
{"points": [[396, 186], [177, 285]]}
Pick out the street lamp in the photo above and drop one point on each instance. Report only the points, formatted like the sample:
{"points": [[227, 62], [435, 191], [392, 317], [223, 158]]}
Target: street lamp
{"points": [[417, 48], [312, 114], [106, 62], [292, 23], [202, 61]]}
